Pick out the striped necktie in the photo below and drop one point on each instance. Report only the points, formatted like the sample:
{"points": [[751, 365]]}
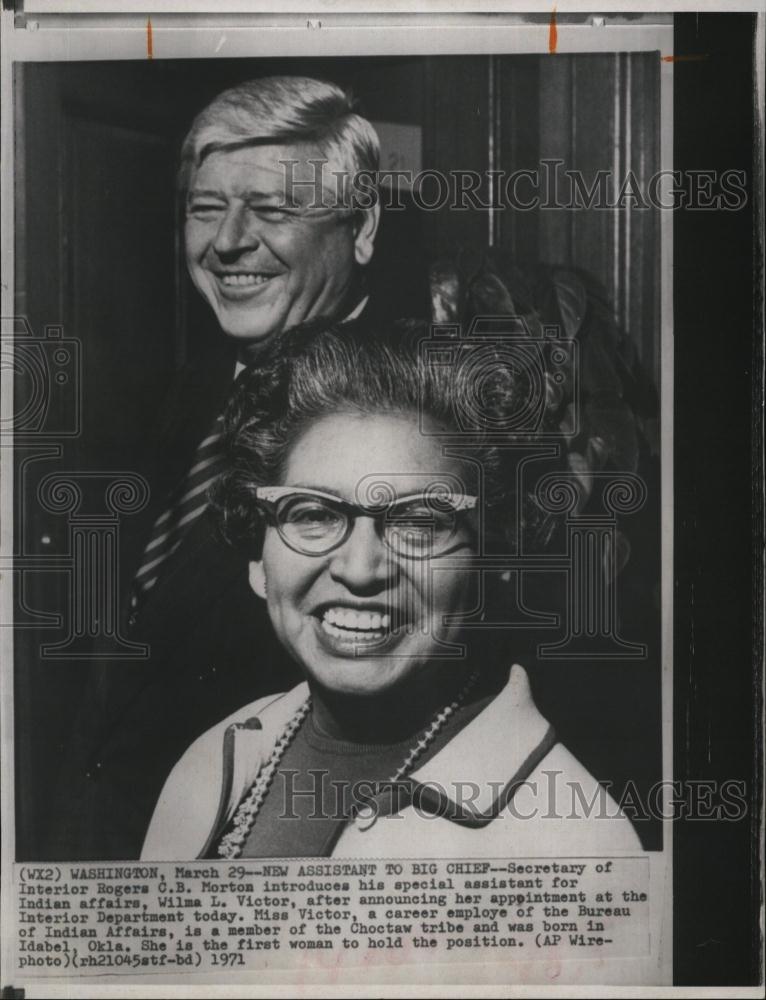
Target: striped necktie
{"points": [[186, 505]]}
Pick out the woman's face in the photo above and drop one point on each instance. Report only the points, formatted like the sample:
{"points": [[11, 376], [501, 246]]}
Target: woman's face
{"points": [[362, 618]]}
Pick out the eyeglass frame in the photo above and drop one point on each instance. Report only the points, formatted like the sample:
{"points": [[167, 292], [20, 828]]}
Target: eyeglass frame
{"points": [[268, 497]]}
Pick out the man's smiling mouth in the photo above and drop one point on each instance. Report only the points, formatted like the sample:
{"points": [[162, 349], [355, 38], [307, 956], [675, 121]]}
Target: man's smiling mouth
{"points": [[243, 279]]}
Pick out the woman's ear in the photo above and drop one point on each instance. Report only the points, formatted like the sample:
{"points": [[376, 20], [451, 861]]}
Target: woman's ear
{"points": [[257, 578], [365, 229]]}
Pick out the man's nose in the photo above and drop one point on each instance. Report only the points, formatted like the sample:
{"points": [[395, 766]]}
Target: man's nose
{"points": [[363, 563], [237, 231]]}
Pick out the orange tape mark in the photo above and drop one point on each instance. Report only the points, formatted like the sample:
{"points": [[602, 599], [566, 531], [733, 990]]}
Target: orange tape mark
{"points": [[683, 58], [553, 34], [149, 41]]}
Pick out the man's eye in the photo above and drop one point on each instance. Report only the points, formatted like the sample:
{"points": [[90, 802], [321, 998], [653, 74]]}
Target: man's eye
{"points": [[272, 213], [201, 209]]}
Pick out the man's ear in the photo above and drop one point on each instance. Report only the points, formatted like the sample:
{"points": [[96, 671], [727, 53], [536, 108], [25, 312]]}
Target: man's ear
{"points": [[257, 578], [366, 223]]}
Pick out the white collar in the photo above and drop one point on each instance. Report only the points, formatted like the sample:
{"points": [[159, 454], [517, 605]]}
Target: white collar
{"points": [[357, 310], [493, 746]]}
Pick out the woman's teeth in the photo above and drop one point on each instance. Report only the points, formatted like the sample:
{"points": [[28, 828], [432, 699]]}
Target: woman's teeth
{"points": [[342, 621], [244, 279]]}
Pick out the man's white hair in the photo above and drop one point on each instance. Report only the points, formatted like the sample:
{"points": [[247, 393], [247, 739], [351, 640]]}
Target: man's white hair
{"points": [[283, 110]]}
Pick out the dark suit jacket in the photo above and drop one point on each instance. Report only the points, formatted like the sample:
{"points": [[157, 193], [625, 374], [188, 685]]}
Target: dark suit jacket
{"points": [[211, 649]]}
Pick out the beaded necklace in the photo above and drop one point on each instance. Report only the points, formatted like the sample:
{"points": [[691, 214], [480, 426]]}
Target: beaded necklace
{"points": [[230, 845]]}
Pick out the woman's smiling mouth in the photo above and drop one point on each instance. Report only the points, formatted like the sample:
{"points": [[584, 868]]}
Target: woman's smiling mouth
{"points": [[347, 628]]}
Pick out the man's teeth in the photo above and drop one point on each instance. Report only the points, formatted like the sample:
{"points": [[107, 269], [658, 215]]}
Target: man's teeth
{"points": [[245, 279], [356, 621]]}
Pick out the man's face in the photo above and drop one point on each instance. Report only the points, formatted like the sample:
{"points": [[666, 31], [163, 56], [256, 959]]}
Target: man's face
{"points": [[261, 250]]}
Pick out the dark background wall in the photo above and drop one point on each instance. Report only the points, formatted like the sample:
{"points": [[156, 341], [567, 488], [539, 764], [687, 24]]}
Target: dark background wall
{"points": [[718, 614]]}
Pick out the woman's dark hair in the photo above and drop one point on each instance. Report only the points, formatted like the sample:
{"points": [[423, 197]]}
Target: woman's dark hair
{"points": [[483, 395]]}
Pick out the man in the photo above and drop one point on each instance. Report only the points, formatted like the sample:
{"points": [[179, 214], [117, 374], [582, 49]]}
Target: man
{"points": [[269, 242], [273, 237]]}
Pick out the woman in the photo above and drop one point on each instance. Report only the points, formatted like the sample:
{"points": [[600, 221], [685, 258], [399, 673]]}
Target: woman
{"points": [[376, 521]]}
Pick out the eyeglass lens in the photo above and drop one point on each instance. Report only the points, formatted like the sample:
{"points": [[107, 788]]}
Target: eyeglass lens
{"points": [[413, 528]]}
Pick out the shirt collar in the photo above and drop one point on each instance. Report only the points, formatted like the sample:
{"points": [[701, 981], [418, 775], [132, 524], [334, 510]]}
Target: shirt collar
{"points": [[491, 749]]}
